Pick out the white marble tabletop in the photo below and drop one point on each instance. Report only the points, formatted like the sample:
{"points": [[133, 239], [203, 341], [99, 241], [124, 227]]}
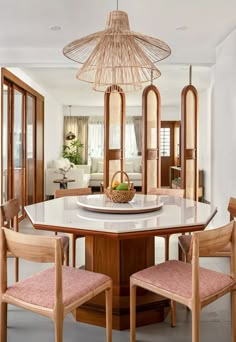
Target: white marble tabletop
{"points": [[59, 214]]}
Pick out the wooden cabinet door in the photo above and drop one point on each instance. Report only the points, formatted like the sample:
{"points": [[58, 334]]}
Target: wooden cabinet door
{"points": [[22, 142], [18, 145]]}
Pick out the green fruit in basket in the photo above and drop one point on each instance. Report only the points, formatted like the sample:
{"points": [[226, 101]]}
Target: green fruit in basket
{"points": [[122, 186]]}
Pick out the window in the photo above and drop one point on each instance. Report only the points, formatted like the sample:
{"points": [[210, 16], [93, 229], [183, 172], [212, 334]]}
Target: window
{"points": [[165, 142], [96, 138]]}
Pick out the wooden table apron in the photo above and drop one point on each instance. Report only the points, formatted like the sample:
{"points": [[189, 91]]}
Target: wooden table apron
{"points": [[119, 255]]}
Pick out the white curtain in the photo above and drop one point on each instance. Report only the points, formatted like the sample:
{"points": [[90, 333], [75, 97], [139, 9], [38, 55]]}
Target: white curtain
{"points": [[131, 149], [138, 132], [96, 137]]}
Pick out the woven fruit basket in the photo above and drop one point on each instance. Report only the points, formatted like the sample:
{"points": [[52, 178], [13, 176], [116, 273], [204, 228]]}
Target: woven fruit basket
{"points": [[120, 196]]}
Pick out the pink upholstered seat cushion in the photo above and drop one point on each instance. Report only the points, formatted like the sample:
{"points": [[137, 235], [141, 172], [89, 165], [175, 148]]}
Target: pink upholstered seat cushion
{"points": [[39, 289], [176, 277], [185, 242]]}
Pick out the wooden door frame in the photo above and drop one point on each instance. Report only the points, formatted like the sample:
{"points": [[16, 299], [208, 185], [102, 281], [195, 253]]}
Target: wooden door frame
{"points": [[11, 143], [9, 78], [169, 124]]}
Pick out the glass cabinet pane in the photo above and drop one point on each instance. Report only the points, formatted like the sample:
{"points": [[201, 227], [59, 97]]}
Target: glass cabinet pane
{"points": [[5, 171], [17, 143]]}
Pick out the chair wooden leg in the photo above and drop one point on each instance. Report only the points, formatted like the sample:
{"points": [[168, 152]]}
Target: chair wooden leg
{"points": [[188, 260], [16, 269], [195, 325], [167, 240], [67, 256], [109, 315], [173, 313], [58, 324], [3, 322], [180, 254], [73, 250], [233, 316], [132, 312]]}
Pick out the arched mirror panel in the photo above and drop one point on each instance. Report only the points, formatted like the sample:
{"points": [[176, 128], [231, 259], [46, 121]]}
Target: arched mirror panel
{"points": [[189, 171], [114, 137], [151, 139]]}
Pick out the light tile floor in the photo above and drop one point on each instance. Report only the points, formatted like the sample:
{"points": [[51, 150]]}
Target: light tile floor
{"points": [[215, 318]]}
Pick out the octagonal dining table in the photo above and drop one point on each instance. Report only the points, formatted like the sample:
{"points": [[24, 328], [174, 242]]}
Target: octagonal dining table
{"points": [[119, 241]]}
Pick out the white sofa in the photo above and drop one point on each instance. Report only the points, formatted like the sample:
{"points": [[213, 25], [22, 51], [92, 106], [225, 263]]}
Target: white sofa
{"points": [[80, 173], [132, 167], [87, 175]]}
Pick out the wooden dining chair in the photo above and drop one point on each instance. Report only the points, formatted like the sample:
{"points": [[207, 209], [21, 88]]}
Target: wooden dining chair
{"points": [[53, 292], [9, 218], [73, 192], [190, 284], [166, 192], [185, 240]]}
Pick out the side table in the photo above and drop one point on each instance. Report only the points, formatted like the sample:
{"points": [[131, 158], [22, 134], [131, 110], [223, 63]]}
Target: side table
{"points": [[63, 182]]}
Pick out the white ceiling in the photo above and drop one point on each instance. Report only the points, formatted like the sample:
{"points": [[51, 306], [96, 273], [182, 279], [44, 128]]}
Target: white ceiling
{"points": [[27, 41], [25, 24]]}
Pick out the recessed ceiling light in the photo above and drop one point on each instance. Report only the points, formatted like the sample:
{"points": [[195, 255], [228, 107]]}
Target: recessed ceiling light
{"points": [[182, 28], [55, 28]]}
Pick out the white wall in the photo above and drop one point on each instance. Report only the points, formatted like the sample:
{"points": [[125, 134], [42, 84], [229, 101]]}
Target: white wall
{"points": [[0, 139], [53, 119], [204, 140], [224, 127]]}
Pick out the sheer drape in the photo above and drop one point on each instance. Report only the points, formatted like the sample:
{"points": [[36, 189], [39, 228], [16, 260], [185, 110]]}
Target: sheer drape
{"points": [[79, 126], [96, 137], [131, 149], [137, 120], [90, 131]]}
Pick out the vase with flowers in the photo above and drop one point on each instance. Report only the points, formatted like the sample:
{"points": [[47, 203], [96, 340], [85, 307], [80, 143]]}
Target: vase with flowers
{"points": [[63, 170]]}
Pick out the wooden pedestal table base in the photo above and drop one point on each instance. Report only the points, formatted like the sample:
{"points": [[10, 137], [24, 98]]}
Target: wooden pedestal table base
{"points": [[119, 259]]}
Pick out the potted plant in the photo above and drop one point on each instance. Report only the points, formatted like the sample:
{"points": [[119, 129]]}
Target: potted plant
{"points": [[73, 152]]}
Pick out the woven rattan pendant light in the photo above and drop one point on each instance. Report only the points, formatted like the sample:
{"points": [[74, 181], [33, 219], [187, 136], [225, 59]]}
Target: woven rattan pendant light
{"points": [[117, 56]]}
